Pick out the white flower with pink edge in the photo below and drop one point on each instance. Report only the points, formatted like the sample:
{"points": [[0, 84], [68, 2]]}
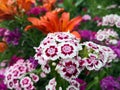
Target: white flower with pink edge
{"points": [[51, 52], [95, 57], [15, 76], [51, 85], [67, 50], [72, 87], [68, 69], [25, 82], [34, 77], [63, 36]]}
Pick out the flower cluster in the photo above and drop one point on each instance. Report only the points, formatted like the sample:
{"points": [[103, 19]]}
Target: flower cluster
{"points": [[10, 37], [20, 76], [111, 20], [109, 36], [36, 11], [77, 84], [110, 83], [69, 57], [62, 47], [95, 56], [106, 37]]}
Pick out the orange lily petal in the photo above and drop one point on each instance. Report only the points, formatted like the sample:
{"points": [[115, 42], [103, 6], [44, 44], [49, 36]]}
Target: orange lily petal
{"points": [[64, 21], [76, 34], [34, 21], [72, 23], [3, 46], [54, 20]]}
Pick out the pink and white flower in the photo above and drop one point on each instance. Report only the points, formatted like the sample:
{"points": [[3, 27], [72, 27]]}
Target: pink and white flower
{"points": [[51, 85], [72, 87], [108, 36], [110, 20], [51, 52], [25, 82], [34, 77], [63, 36], [68, 69], [15, 76], [67, 50], [96, 56], [46, 68]]}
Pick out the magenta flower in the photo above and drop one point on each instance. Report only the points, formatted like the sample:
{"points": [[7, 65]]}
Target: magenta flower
{"points": [[69, 69], [3, 31], [14, 59], [2, 77], [97, 19], [13, 37], [87, 34], [116, 48], [86, 18], [33, 61], [109, 83], [36, 11], [82, 83]]}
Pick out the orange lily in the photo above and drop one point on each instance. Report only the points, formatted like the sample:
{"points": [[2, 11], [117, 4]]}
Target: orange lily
{"points": [[51, 23], [9, 8], [25, 4], [48, 4], [3, 47]]}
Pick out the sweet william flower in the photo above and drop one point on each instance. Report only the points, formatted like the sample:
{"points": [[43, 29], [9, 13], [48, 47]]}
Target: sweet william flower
{"points": [[33, 61], [51, 85], [68, 69], [20, 76]]}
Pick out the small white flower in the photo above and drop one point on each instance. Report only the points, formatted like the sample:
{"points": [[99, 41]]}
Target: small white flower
{"points": [[51, 85], [51, 52], [71, 87], [25, 82], [67, 50], [100, 37]]}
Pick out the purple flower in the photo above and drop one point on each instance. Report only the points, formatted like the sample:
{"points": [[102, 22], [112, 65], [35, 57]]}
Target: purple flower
{"points": [[3, 31], [96, 18], [2, 85], [116, 48], [87, 34], [13, 37], [14, 59], [109, 83], [86, 18], [36, 11], [118, 44], [117, 51], [33, 61], [83, 84]]}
